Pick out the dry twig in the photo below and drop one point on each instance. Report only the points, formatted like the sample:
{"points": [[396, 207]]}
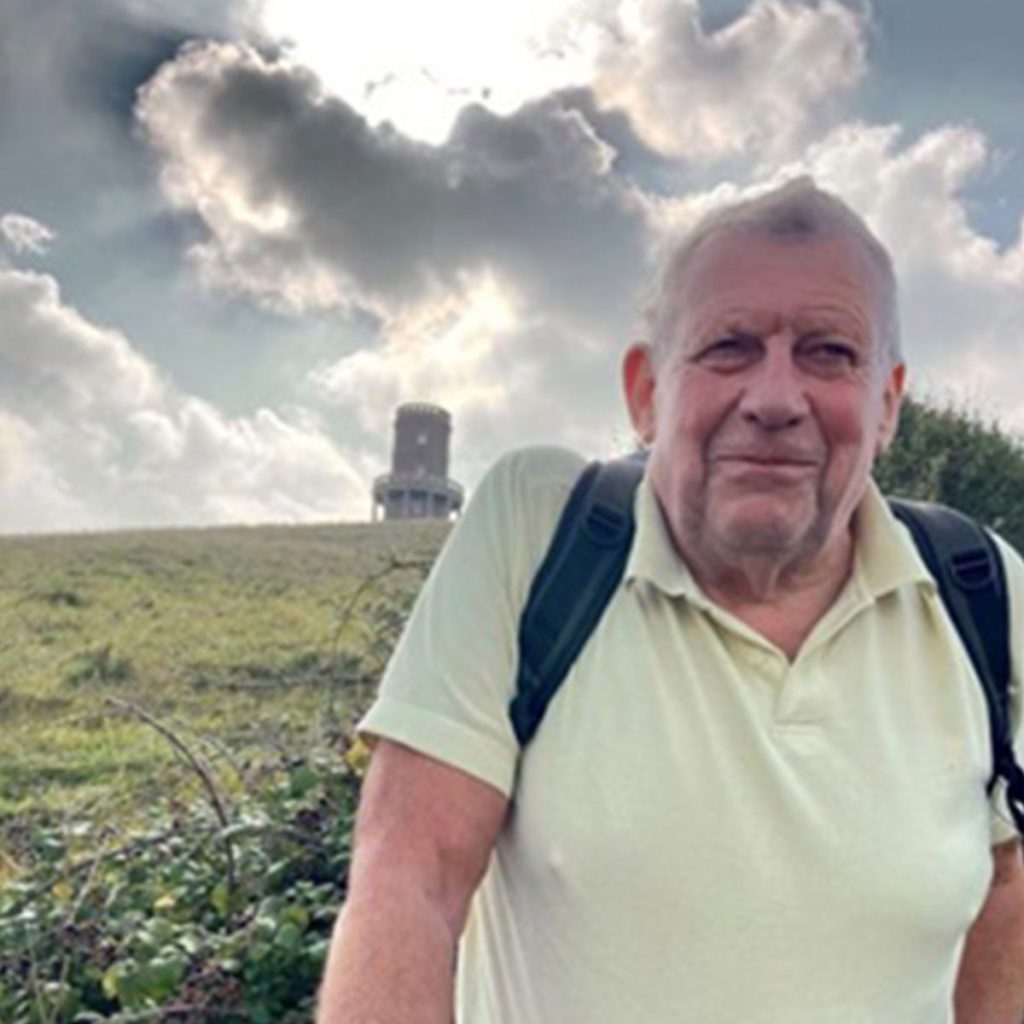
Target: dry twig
{"points": [[201, 769]]}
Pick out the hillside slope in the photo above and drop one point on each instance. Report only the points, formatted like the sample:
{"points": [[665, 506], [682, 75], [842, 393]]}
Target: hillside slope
{"points": [[234, 635]]}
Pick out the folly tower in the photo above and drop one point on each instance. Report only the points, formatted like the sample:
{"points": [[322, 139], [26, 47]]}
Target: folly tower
{"points": [[418, 486]]}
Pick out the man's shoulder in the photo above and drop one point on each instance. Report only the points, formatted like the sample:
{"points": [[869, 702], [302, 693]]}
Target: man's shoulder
{"points": [[540, 466], [513, 512], [532, 483], [1011, 557], [1013, 568]]}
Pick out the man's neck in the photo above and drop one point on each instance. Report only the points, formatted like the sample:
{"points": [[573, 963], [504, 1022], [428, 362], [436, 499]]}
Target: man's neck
{"points": [[781, 598]]}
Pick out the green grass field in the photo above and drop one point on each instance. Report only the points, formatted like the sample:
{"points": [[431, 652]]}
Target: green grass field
{"points": [[234, 639]]}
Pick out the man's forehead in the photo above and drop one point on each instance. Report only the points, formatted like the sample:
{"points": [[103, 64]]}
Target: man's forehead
{"points": [[804, 318], [738, 256], [742, 273]]}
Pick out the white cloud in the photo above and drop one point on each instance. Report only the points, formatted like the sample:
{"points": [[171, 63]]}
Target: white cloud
{"points": [[24, 234], [458, 351], [507, 377], [760, 85], [93, 436]]}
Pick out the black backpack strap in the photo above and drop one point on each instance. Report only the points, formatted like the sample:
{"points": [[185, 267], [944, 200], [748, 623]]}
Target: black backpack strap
{"points": [[968, 569], [580, 572]]}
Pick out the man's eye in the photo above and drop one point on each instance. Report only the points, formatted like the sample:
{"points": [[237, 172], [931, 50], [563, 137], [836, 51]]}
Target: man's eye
{"points": [[831, 356], [729, 350]]}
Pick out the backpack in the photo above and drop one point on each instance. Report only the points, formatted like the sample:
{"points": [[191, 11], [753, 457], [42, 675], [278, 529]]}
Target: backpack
{"points": [[587, 557]]}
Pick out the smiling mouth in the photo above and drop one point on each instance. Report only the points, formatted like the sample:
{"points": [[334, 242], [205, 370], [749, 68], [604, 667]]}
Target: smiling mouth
{"points": [[768, 461], [762, 473]]}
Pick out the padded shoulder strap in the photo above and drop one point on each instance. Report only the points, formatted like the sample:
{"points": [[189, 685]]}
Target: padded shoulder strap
{"points": [[968, 570], [575, 581]]}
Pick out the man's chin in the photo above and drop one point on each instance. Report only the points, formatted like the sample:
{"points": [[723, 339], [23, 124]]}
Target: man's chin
{"points": [[763, 534], [760, 540]]}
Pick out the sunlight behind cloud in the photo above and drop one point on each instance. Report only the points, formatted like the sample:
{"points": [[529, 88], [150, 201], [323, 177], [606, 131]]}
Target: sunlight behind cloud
{"points": [[449, 350], [417, 65]]}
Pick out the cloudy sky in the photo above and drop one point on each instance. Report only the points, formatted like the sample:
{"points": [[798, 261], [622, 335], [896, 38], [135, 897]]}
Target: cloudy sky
{"points": [[235, 234]]}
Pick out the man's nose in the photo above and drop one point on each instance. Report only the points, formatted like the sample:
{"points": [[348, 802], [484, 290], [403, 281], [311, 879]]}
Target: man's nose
{"points": [[774, 396]]}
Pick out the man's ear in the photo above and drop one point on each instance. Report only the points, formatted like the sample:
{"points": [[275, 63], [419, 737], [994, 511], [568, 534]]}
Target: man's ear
{"points": [[892, 397], [638, 385]]}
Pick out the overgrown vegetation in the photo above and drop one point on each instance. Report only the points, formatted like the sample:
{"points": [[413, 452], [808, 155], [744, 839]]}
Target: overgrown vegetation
{"points": [[177, 770], [208, 914]]}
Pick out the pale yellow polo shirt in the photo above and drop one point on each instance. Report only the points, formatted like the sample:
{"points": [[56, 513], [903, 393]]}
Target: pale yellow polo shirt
{"points": [[702, 832]]}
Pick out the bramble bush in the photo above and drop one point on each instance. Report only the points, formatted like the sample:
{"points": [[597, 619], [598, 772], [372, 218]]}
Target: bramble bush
{"points": [[193, 921]]}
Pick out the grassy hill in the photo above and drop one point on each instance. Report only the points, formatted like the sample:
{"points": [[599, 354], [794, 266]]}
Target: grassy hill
{"points": [[236, 638]]}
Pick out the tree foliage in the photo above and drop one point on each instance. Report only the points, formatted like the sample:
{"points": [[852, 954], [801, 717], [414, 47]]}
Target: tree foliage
{"points": [[953, 456]]}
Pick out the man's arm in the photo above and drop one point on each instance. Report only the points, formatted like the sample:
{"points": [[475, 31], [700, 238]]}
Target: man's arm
{"points": [[424, 836], [990, 985]]}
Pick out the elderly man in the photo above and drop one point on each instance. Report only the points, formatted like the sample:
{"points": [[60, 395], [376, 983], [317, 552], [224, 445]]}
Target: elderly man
{"points": [[759, 795]]}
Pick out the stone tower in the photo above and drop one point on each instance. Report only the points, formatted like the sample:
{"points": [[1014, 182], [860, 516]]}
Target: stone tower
{"points": [[418, 486]]}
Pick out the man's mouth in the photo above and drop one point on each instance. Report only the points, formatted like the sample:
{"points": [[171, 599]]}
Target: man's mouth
{"points": [[761, 471], [767, 460]]}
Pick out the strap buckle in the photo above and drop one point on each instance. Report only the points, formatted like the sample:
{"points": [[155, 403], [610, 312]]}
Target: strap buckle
{"points": [[972, 569], [604, 525]]}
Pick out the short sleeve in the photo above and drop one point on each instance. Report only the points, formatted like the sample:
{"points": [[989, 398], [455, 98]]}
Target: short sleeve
{"points": [[1003, 828], [447, 688]]}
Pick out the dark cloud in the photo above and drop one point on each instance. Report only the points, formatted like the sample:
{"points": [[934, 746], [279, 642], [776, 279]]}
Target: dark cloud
{"points": [[68, 76], [72, 160], [529, 195]]}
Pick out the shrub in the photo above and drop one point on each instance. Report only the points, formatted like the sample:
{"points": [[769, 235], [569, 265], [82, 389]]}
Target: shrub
{"points": [[205, 921]]}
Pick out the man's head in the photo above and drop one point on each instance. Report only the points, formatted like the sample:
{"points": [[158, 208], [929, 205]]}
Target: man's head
{"points": [[772, 377]]}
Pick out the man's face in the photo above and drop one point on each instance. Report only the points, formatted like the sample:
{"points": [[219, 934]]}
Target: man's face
{"points": [[772, 399]]}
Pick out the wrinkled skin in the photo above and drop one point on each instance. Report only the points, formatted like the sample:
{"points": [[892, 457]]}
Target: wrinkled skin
{"points": [[767, 408]]}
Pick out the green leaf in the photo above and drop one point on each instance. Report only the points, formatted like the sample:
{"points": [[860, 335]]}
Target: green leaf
{"points": [[111, 979], [259, 951], [297, 915], [63, 891], [302, 780], [164, 975], [261, 1014], [219, 898], [288, 937]]}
